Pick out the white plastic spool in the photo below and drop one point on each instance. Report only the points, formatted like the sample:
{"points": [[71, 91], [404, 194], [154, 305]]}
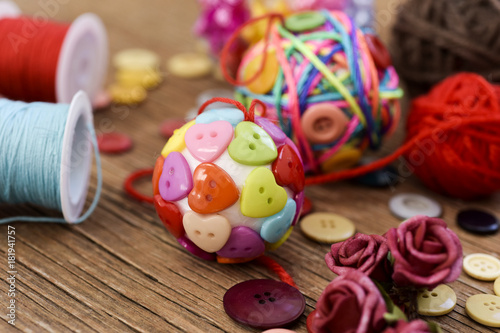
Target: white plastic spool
{"points": [[83, 59], [76, 158]]}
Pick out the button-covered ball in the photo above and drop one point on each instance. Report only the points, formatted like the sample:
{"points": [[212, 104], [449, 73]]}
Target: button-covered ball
{"points": [[228, 189]]}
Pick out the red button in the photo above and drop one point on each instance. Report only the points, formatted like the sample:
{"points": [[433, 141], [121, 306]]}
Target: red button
{"points": [[264, 303], [114, 143], [168, 127], [381, 57], [288, 169], [170, 216]]}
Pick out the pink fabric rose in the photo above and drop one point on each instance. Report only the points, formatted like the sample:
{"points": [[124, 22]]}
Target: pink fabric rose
{"points": [[351, 303], [426, 253], [415, 326], [366, 253]]}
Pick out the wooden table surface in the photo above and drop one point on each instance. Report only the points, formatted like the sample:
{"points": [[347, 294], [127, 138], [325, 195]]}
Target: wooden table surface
{"points": [[120, 271]]}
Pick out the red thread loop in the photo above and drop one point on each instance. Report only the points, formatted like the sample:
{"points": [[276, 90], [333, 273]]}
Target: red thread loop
{"points": [[129, 185], [249, 115], [251, 110], [226, 49], [276, 268]]}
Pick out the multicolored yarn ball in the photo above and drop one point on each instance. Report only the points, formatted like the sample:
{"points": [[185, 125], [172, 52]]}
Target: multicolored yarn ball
{"points": [[433, 39], [330, 86], [454, 136], [229, 185]]}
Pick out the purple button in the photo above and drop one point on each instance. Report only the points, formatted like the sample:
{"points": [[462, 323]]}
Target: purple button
{"points": [[264, 303], [191, 247], [243, 243], [176, 180], [274, 132], [299, 201], [477, 221]]}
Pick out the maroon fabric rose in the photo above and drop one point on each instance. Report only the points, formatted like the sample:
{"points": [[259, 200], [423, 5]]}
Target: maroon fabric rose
{"points": [[415, 326], [366, 253], [426, 253], [351, 303]]}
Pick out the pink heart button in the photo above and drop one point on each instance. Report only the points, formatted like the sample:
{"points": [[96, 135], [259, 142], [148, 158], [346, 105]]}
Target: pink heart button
{"points": [[176, 180], [206, 142]]}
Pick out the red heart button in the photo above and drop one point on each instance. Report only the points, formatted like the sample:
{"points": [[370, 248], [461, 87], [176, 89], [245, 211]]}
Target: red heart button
{"points": [[213, 190], [288, 169], [170, 216], [157, 173]]}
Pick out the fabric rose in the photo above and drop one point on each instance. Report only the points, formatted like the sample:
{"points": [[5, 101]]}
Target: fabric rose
{"points": [[426, 253], [415, 326], [351, 303], [366, 253]]}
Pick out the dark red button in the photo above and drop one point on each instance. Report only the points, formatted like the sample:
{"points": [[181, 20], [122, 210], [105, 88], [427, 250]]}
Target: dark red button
{"points": [[114, 143], [264, 303], [477, 221], [380, 54]]}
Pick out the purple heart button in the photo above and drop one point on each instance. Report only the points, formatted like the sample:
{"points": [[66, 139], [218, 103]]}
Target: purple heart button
{"points": [[274, 132], [176, 180], [242, 243]]}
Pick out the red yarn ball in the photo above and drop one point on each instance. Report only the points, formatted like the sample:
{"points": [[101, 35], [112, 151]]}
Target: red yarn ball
{"points": [[460, 156]]}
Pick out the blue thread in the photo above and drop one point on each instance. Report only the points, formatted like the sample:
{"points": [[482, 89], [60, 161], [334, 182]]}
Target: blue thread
{"points": [[31, 137]]}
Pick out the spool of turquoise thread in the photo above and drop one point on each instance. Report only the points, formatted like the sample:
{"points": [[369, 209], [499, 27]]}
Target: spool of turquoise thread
{"points": [[46, 155]]}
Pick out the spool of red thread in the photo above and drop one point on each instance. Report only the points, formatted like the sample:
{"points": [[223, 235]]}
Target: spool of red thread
{"points": [[42, 60]]}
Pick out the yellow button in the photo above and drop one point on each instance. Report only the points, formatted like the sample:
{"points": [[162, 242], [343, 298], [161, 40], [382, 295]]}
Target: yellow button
{"points": [[146, 78], [264, 82], [482, 266], [344, 159], [127, 95], [496, 286], [190, 65], [485, 309], [136, 59], [176, 141], [327, 227], [437, 302], [210, 232], [275, 245]]}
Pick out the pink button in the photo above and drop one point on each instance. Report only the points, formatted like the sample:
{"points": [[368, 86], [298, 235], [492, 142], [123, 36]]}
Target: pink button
{"points": [[243, 243], [206, 142], [323, 123], [176, 180]]}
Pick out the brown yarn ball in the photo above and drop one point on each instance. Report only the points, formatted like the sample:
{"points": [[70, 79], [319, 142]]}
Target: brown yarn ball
{"points": [[433, 39]]}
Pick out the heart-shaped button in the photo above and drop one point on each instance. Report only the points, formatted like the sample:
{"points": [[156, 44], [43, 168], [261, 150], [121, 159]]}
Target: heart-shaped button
{"points": [[157, 171], [288, 169], [243, 243], [274, 132], [176, 141], [214, 189], [206, 142], [252, 145], [299, 205], [233, 116], [208, 232], [275, 226], [195, 250], [261, 196], [170, 216], [175, 180]]}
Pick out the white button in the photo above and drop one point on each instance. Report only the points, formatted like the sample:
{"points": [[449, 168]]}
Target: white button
{"points": [[482, 266], [407, 205]]}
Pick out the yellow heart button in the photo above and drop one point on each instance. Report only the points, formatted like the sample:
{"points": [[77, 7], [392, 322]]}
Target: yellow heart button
{"points": [[176, 141]]}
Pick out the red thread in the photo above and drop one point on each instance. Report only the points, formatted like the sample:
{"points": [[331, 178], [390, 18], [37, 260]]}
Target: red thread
{"points": [[249, 115], [276, 268], [129, 185], [28, 59], [452, 142], [227, 47]]}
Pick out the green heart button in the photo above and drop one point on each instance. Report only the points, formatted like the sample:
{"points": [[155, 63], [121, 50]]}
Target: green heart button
{"points": [[252, 145], [261, 196]]}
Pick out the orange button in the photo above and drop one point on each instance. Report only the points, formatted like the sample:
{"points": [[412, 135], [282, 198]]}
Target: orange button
{"points": [[157, 173], [323, 123]]}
